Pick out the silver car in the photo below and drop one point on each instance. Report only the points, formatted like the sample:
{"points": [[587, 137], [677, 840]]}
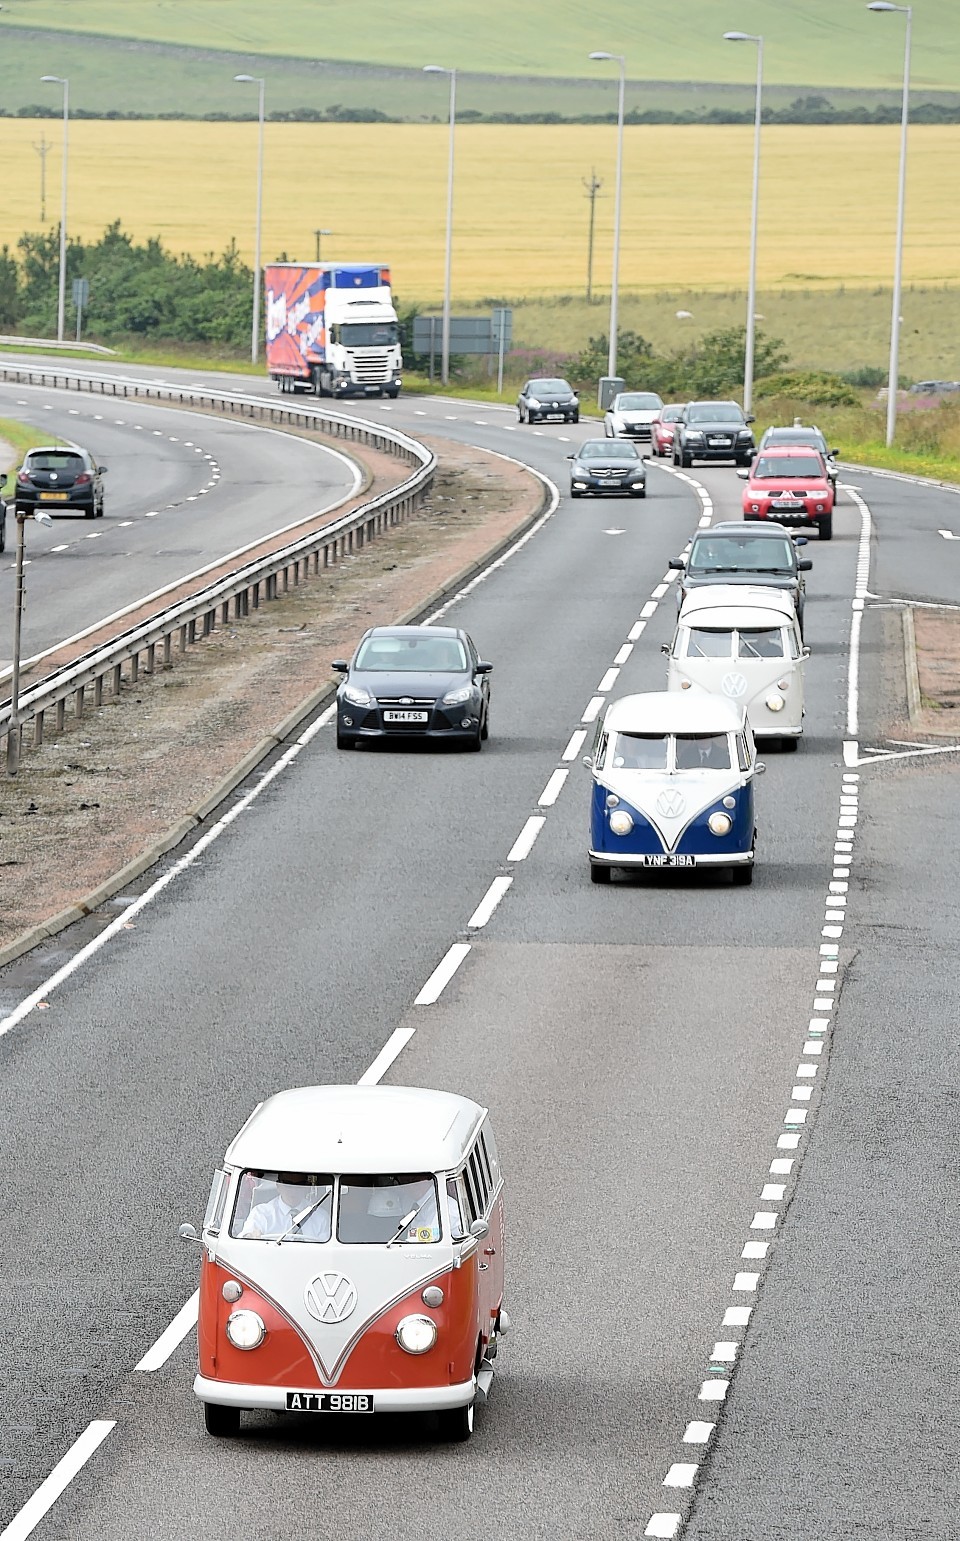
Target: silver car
{"points": [[630, 414]]}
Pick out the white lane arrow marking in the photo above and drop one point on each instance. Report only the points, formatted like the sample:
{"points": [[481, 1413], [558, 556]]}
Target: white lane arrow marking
{"points": [[948, 535], [614, 532]]}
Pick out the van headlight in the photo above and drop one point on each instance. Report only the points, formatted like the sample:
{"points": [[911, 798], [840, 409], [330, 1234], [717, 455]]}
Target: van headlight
{"points": [[416, 1334], [620, 822], [245, 1329], [775, 703], [719, 823]]}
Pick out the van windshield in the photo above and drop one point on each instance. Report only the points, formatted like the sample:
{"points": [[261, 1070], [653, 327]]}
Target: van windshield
{"points": [[287, 1206], [767, 643], [704, 643], [702, 751], [372, 1208], [637, 751]]}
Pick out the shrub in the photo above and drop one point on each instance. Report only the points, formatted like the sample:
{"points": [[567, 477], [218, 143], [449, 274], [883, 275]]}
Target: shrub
{"points": [[816, 388]]}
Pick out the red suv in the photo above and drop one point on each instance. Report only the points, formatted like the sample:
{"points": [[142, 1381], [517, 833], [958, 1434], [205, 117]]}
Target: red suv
{"points": [[790, 485]]}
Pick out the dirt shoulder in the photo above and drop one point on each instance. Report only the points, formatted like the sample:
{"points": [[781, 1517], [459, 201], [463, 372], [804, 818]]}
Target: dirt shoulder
{"points": [[936, 642], [131, 778]]}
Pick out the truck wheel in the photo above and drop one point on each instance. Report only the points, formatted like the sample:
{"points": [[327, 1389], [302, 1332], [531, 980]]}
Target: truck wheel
{"points": [[825, 526], [598, 873], [221, 1422], [393, 392], [456, 1423]]}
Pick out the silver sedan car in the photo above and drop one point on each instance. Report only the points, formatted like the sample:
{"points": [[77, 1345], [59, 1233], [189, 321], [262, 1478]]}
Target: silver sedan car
{"points": [[630, 414]]}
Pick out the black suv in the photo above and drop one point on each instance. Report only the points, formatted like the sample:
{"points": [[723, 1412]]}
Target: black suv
{"points": [[736, 553], [712, 430], [61, 480], [548, 398]]}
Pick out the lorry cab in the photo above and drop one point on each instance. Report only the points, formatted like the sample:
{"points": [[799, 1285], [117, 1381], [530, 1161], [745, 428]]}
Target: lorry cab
{"points": [[332, 328], [672, 786], [352, 1259], [744, 643]]}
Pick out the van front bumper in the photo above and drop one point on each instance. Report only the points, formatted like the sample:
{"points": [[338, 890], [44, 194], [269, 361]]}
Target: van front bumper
{"points": [[708, 859], [414, 1399]]}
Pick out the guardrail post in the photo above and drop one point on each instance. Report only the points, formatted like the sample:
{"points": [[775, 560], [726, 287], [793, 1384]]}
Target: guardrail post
{"points": [[61, 713], [151, 658], [117, 679], [167, 650], [256, 596], [183, 639], [192, 632], [98, 691], [134, 668], [208, 623], [38, 730], [78, 701]]}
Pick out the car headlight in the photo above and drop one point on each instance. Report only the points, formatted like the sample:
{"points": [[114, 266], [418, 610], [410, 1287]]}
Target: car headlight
{"points": [[458, 696], [640, 483], [719, 823], [580, 486], [416, 1334], [532, 401], [245, 1329], [357, 696], [621, 822], [775, 703], [694, 433]]}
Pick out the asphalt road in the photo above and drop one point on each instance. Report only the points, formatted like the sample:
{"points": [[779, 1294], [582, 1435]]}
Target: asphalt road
{"points": [[637, 1045], [183, 491]]}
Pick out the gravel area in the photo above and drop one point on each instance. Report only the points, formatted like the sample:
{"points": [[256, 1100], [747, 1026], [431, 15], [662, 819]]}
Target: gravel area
{"points": [[113, 784]]}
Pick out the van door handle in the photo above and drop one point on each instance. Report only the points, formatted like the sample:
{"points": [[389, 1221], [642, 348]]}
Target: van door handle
{"points": [[489, 1251]]}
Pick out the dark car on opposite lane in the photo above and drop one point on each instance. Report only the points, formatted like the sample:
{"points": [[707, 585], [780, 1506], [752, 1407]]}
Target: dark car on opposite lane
{"points": [[712, 430], [605, 465], [543, 398], [62, 479], [731, 553], [426, 682]]}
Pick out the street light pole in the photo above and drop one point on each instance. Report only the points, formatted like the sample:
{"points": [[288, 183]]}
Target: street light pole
{"points": [[893, 383], [620, 60], [256, 80], [62, 288], [439, 69], [749, 37], [13, 726]]}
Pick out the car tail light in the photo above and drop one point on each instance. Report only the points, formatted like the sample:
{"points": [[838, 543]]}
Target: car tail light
{"points": [[83, 477]]}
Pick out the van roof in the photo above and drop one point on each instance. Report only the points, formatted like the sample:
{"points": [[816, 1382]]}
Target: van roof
{"points": [[357, 1129], [669, 711], [727, 605]]}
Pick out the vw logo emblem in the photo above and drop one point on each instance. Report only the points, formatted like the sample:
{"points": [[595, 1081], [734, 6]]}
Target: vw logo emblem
{"points": [[330, 1297], [670, 804], [406, 700], [734, 686]]}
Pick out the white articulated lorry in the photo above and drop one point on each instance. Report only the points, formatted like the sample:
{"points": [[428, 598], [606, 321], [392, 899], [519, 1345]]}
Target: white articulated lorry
{"points": [[332, 328]]}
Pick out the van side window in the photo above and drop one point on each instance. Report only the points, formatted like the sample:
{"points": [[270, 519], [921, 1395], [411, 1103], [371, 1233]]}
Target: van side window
{"points": [[743, 753], [484, 1163], [474, 1207], [493, 1159], [479, 1181], [599, 745]]}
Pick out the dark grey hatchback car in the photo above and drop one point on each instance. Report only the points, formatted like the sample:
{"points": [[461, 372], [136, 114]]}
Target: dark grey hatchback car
{"points": [[62, 479], [425, 682]]}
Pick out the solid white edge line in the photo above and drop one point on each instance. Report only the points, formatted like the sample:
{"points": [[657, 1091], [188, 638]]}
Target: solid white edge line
{"points": [[172, 1336], [442, 974], [523, 844], [577, 741], [25, 1522], [489, 902], [552, 789], [393, 1047]]}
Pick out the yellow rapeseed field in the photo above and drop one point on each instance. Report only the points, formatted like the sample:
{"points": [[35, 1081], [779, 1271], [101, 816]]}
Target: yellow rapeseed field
{"points": [[827, 200]]}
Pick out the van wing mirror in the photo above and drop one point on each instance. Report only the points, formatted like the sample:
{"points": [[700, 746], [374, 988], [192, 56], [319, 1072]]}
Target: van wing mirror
{"points": [[188, 1232], [588, 761], [480, 1230], [759, 768]]}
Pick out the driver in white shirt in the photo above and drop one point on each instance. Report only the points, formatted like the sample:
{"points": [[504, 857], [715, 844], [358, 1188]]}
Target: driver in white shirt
{"points": [[298, 1211]]}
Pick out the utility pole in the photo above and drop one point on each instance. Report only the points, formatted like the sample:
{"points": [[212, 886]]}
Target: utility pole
{"points": [[41, 150], [593, 188]]}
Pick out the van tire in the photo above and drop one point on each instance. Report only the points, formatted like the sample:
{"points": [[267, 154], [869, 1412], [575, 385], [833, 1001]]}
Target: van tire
{"points": [[599, 873], [742, 876], [788, 745], [221, 1422], [456, 1423]]}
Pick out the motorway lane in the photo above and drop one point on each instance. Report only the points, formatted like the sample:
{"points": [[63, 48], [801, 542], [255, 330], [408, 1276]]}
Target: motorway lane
{"points": [[351, 970], [183, 490]]}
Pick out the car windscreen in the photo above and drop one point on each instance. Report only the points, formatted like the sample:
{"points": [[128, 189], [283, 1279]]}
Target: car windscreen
{"points": [[412, 655], [637, 751], [746, 553], [670, 414], [770, 468], [765, 642], [794, 436], [369, 334], [55, 460], [375, 1209], [605, 449], [638, 401], [702, 751], [715, 412], [288, 1206], [548, 388], [705, 642]]}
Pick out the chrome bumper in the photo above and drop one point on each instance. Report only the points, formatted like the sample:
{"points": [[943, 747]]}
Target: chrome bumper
{"points": [[415, 1399], [724, 859]]}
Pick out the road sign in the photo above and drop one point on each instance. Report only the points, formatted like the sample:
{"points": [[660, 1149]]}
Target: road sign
{"points": [[468, 334], [81, 292]]}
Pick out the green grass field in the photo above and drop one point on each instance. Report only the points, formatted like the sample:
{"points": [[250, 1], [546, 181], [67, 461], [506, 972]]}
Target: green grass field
{"points": [[809, 42]]}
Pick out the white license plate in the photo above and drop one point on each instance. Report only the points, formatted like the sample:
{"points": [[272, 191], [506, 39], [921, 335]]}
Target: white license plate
{"points": [[667, 861], [329, 1401], [786, 503], [719, 443], [406, 716]]}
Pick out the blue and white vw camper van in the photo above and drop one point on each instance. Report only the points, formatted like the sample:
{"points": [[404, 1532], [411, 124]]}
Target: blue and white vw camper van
{"points": [[673, 785]]}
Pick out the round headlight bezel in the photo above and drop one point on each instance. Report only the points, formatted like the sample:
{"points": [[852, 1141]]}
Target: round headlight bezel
{"points": [[775, 703], [416, 1334], [719, 824], [621, 822], [244, 1323]]}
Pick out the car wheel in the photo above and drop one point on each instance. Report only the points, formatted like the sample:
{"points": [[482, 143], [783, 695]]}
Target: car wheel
{"points": [[485, 729], [575, 418], [345, 740], [221, 1422], [3, 534], [100, 510], [475, 744], [742, 876], [456, 1423], [599, 874], [91, 512], [825, 526], [686, 460], [531, 418]]}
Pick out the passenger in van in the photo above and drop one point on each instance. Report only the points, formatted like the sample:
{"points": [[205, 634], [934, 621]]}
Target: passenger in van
{"points": [[707, 751], [298, 1211], [372, 1209]]}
